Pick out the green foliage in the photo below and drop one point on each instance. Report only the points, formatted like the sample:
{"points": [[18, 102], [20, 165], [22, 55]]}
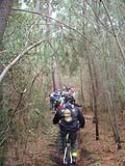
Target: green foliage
{"points": [[123, 1]]}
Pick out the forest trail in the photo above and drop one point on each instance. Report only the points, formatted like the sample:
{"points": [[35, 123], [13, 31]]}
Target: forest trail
{"points": [[50, 44], [43, 151]]}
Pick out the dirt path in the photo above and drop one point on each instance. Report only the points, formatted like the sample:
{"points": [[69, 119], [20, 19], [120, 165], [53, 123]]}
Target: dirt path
{"points": [[92, 153], [42, 150], [99, 153], [85, 156]]}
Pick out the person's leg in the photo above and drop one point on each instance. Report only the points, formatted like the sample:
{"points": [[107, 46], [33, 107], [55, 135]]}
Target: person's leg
{"points": [[74, 145], [74, 140], [51, 104], [62, 140]]}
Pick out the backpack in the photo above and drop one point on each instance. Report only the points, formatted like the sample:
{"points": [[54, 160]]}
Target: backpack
{"points": [[69, 99], [69, 120]]}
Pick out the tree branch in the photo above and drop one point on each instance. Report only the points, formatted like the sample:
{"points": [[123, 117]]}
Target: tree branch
{"points": [[43, 15], [58, 22], [11, 64], [114, 33]]}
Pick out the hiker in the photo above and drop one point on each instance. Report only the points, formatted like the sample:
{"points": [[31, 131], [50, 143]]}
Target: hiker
{"points": [[70, 120]]}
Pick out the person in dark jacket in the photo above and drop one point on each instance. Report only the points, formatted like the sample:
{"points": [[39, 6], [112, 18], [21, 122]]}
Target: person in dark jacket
{"points": [[69, 98], [70, 120], [55, 99]]}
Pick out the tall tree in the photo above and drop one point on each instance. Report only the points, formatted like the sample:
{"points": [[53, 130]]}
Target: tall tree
{"points": [[5, 9]]}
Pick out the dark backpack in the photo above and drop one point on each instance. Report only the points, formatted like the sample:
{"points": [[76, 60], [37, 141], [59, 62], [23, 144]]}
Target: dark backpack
{"points": [[69, 120], [69, 99]]}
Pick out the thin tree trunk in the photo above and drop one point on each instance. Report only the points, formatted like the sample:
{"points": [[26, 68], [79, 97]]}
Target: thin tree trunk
{"points": [[95, 93], [115, 34], [55, 74], [5, 8], [37, 7], [94, 86], [81, 83], [112, 117], [54, 62], [110, 95]]}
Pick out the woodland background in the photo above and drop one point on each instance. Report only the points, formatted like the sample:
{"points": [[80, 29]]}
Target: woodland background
{"points": [[51, 43]]}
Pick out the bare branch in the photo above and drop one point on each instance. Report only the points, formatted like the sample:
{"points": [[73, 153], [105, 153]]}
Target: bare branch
{"points": [[114, 33], [46, 16], [59, 23], [11, 64]]}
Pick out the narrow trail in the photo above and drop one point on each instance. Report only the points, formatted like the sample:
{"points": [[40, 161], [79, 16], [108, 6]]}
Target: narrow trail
{"points": [[92, 152], [43, 151], [85, 156]]}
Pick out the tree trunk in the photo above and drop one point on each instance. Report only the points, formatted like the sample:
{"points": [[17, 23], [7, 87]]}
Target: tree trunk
{"points": [[54, 65], [112, 116], [121, 49], [37, 7], [81, 83], [94, 90], [5, 8], [55, 74]]}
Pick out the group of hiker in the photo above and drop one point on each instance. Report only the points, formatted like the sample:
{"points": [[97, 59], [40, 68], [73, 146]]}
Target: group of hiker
{"points": [[67, 114], [60, 98]]}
